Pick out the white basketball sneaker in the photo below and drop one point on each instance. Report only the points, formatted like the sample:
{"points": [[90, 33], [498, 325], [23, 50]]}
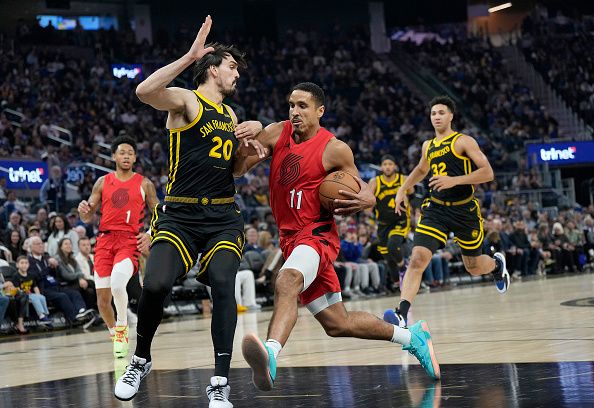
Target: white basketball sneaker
{"points": [[127, 385], [218, 393]]}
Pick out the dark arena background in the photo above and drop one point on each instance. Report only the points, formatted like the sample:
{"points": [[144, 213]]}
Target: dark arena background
{"points": [[522, 77]]}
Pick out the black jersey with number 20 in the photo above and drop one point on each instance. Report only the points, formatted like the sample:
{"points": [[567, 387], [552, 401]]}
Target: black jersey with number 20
{"points": [[201, 154]]}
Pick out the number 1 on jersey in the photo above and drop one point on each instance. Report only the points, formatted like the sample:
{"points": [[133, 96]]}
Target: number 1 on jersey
{"points": [[128, 216], [299, 194]]}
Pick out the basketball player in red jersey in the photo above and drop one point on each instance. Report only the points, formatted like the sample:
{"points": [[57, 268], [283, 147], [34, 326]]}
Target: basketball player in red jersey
{"points": [[303, 153], [122, 196]]}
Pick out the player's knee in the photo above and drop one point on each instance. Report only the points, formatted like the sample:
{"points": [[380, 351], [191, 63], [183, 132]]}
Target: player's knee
{"points": [[156, 287], [336, 329], [118, 291], [289, 282], [418, 262], [472, 265]]}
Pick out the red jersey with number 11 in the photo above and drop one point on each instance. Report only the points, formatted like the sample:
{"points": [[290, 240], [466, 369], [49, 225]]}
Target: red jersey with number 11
{"points": [[122, 204], [296, 172]]}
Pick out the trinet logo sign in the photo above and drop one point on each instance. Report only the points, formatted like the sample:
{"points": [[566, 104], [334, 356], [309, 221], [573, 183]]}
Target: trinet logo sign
{"points": [[21, 175], [553, 154], [125, 72]]}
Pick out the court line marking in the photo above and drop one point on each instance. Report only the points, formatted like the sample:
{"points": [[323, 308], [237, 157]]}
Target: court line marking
{"points": [[288, 396], [564, 376]]}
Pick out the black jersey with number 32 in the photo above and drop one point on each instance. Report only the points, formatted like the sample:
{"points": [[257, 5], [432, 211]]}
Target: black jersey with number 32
{"points": [[201, 154], [445, 161]]}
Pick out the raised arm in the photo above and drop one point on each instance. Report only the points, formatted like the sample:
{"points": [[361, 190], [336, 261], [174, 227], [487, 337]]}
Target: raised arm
{"points": [[87, 208], [467, 146], [153, 90]]}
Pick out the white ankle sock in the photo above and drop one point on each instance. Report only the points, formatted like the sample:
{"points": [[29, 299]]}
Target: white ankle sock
{"points": [[121, 323], [401, 336], [111, 331], [275, 346]]}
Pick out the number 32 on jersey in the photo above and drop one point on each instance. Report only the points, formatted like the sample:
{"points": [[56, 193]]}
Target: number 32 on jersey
{"points": [[439, 169]]}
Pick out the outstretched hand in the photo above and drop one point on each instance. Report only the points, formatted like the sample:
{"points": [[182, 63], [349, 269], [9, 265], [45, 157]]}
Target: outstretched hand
{"points": [[248, 129], [252, 147], [197, 50], [358, 201]]}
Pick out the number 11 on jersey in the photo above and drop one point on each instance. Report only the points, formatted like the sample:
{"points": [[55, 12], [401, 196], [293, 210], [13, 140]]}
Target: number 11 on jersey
{"points": [[299, 194]]}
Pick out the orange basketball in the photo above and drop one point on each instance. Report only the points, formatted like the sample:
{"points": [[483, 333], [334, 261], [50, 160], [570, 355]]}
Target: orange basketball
{"points": [[338, 180]]}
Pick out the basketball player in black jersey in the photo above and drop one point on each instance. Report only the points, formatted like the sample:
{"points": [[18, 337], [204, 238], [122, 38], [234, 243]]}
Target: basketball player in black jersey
{"points": [[198, 215], [392, 227], [456, 164]]}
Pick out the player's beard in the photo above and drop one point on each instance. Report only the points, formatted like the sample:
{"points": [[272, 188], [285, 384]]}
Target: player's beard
{"points": [[230, 91]]}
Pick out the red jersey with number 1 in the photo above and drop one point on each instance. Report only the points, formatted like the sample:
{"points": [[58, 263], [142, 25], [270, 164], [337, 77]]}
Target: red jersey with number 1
{"points": [[296, 172], [122, 204]]}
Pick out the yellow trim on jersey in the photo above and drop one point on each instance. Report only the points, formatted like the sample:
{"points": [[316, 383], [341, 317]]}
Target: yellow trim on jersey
{"points": [[421, 231], [153, 222], [192, 123], [479, 240], [382, 249], [205, 260], [438, 143], [442, 234], [211, 252], [181, 243], [474, 241], [378, 185], [181, 254], [427, 151], [218, 107], [389, 183], [174, 163], [469, 246], [199, 200], [450, 203], [466, 160]]}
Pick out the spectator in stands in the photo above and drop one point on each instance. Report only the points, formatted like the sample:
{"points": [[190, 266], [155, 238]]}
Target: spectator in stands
{"points": [[589, 237], [21, 301], [251, 240], [69, 301], [14, 244], [245, 287], [521, 244], [352, 250], [562, 250], [575, 239], [13, 204], [438, 271], [3, 191], [60, 228], [41, 221], [70, 274], [15, 223], [371, 279], [27, 283], [85, 259], [53, 190], [4, 301]]}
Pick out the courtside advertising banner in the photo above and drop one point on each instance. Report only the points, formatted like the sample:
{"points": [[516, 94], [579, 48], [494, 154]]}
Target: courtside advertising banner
{"points": [[23, 175], [561, 153]]}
